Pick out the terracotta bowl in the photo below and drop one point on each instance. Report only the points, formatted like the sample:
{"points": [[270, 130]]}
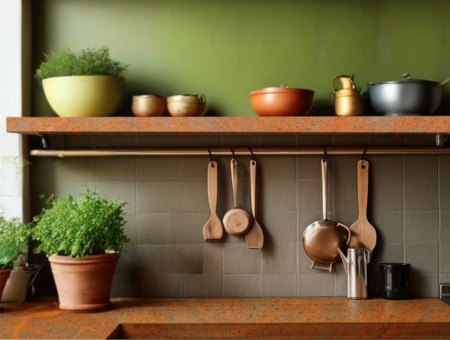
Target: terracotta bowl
{"points": [[150, 105], [281, 101]]}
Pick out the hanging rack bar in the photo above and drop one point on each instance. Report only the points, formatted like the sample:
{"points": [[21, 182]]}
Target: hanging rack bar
{"points": [[244, 151]]}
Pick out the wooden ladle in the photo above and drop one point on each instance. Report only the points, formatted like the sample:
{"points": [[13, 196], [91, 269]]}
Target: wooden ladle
{"points": [[364, 234], [236, 221], [213, 230], [255, 238]]}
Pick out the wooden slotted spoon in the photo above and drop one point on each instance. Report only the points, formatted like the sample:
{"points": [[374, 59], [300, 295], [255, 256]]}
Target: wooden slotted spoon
{"points": [[364, 234], [255, 238], [213, 230]]}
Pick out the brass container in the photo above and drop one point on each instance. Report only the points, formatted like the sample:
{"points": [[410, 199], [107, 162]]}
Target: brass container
{"points": [[150, 105], [348, 100]]}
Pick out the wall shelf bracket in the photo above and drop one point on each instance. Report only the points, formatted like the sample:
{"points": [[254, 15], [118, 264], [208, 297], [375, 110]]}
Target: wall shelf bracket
{"points": [[44, 141], [441, 139]]}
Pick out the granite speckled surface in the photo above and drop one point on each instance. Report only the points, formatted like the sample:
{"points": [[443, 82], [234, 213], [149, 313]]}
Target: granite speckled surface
{"points": [[232, 318], [231, 125]]}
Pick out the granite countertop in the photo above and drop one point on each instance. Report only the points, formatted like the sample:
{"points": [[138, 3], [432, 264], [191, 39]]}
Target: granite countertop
{"points": [[334, 317]]}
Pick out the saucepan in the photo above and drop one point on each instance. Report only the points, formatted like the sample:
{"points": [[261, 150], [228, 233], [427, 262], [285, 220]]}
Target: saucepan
{"points": [[322, 239], [406, 97]]}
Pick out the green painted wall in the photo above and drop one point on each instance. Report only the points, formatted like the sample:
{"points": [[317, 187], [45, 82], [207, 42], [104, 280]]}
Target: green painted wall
{"points": [[226, 49]]}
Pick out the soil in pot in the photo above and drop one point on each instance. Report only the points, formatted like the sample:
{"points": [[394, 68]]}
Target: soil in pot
{"points": [[84, 283]]}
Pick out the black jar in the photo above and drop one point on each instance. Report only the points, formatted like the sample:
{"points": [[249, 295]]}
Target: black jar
{"points": [[394, 280]]}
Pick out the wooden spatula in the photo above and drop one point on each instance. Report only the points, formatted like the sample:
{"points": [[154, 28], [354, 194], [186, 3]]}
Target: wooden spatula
{"points": [[213, 230], [364, 234], [255, 238]]}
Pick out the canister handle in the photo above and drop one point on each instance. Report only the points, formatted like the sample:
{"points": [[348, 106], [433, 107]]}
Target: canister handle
{"points": [[353, 85]]}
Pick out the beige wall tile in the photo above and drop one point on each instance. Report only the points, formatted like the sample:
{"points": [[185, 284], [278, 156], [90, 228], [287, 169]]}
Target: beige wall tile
{"points": [[242, 285], [315, 284], [279, 258], [238, 259], [212, 258], [190, 258], [204, 285], [121, 169], [157, 259], [161, 285], [422, 227], [157, 168], [279, 285], [423, 257], [421, 195]]}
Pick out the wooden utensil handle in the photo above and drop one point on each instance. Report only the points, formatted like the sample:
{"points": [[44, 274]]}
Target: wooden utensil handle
{"points": [[212, 186], [324, 187], [363, 187], [234, 179], [253, 186]]}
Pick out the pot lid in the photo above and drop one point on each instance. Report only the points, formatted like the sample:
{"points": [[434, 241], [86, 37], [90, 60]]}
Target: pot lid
{"points": [[407, 80], [279, 89]]}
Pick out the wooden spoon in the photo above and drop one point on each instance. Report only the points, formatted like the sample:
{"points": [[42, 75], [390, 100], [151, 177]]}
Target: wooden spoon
{"points": [[364, 234], [255, 238], [236, 221], [213, 230]]}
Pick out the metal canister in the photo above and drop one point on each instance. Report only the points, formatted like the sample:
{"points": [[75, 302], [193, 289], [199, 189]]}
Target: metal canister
{"points": [[348, 100]]}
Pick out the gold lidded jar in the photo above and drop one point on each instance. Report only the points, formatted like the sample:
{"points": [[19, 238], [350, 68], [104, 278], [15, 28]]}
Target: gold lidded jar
{"points": [[348, 101]]}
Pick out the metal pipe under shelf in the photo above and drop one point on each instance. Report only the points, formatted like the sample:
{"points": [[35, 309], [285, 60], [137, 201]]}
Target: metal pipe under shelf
{"points": [[244, 151]]}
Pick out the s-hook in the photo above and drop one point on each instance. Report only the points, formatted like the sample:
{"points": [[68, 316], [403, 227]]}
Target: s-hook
{"points": [[210, 156], [253, 156], [234, 158], [324, 153], [363, 157]]}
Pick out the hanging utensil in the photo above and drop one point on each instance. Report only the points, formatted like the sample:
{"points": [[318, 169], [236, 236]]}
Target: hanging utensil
{"points": [[236, 221], [364, 234], [212, 231], [322, 239], [255, 238]]}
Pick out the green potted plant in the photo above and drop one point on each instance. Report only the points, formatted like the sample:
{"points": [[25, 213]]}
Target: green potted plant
{"points": [[83, 238], [84, 84], [14, 241]]}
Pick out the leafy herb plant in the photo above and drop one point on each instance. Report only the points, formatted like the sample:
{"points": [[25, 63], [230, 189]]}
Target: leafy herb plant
{"points": [[87, 62], [77, 227], [14, 240]]}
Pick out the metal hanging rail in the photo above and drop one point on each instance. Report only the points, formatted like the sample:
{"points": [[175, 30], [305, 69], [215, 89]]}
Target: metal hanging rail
{"points": [[244, 151]]}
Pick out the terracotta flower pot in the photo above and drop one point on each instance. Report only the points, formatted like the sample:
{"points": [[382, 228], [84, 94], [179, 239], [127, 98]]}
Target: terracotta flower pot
{"points": [[84, 283], [4, 276]]}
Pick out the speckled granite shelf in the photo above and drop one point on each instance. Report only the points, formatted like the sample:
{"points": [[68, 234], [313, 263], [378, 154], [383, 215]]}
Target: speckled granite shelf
{"points": [[232, 318], [231, 125]]}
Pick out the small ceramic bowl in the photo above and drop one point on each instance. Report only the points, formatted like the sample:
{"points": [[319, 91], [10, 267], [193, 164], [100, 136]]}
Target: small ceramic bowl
{"points": [[187, 105], [149, 105]]}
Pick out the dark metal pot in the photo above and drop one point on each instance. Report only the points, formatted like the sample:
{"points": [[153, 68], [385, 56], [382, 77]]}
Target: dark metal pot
{"points": [[406, 97]]}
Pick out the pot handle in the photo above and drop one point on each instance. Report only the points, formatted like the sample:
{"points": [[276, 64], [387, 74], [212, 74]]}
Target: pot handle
{"points": [[348, 230], [321, 266], [445, 82], [201, 98]]}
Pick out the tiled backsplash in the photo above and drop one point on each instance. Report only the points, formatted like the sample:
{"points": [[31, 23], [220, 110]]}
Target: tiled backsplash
{"points": [[409, 205]]}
